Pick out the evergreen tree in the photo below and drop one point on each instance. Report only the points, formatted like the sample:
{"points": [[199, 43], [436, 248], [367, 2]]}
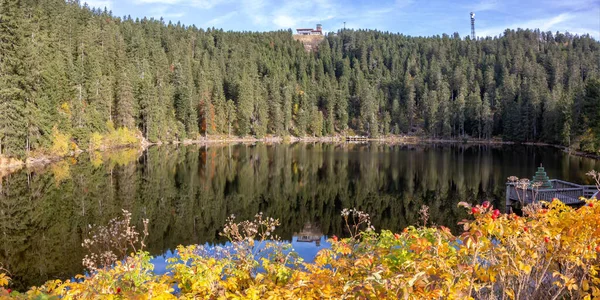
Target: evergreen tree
{"points": [[13, 80], [76, 69], [245, 106]]}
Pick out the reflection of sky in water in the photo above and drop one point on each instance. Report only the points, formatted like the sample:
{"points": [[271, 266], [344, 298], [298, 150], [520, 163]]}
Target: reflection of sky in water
{"points": [[306, 250]]}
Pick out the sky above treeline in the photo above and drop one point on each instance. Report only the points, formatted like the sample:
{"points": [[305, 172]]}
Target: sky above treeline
{"points": [[410, 17]]}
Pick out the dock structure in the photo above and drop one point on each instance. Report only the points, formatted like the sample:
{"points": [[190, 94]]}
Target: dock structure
{"points": [[541, 188], [311, 233], [357, 138]]}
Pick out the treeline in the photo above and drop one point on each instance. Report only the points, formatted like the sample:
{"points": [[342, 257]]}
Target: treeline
{"points": [[78, 71]]}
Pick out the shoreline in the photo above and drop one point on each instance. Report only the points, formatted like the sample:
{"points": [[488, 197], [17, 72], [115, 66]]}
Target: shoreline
{"points": [[9, 165]]}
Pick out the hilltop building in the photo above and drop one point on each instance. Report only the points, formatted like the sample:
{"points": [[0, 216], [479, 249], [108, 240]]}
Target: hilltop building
{"points": [[310, 31]]}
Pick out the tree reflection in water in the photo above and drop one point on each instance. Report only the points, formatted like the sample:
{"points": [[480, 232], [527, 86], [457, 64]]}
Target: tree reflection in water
{"points": [[187, 192]]}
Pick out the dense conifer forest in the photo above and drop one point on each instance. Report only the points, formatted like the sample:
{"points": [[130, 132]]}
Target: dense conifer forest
{"points": [[71, 71]]}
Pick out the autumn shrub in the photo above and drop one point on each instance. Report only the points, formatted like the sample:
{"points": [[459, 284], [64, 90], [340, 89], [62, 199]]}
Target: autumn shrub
{"points": [[61, 171], [123, 136], [550, 253], [95, 141], [286, 139], [110, 243], [114, 138], [60, 143]]}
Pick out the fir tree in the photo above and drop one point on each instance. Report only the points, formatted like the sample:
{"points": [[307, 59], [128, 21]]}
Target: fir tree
{"points": [[13, 80]]}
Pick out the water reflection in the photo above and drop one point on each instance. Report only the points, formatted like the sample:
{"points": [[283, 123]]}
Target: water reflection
{"points": [[188, 192], [311, 233]]}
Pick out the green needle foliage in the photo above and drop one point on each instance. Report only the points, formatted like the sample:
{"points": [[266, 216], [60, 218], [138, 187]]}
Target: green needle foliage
{"points": [[76, 68]]}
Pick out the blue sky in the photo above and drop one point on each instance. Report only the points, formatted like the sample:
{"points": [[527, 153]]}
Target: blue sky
{"points": [[410, 17]]}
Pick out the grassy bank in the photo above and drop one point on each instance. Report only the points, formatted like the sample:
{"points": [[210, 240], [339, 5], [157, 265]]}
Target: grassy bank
{"points": [[62, 146]]}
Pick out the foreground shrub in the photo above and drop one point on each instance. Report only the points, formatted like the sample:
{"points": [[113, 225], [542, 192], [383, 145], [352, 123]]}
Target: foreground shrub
{"points": [[551, 253]]}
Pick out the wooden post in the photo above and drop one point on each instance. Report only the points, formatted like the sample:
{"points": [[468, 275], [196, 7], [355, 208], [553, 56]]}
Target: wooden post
{"points": [[508, 202]]}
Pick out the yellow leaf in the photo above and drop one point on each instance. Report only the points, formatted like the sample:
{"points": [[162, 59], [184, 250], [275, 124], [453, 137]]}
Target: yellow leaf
{"points": [[411, 282], [585, 285], [510, 293], [4, 279], [525, 268]]}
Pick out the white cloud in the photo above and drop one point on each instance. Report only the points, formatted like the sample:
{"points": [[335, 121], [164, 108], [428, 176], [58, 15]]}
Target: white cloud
{"points": [[544, 24], [162, 11], [173, 15], [220, 20], [202, 4], [371, 16], [284, 21], [156, 1], [273, 14], [255, 10], [304, 13], [99, 3], [576, 16]]}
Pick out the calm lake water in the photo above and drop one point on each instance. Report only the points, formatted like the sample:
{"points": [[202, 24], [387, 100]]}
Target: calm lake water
{"points": [[187, 192]]}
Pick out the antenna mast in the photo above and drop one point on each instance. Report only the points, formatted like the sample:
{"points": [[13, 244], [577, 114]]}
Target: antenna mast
{"points": [[472, 25]]}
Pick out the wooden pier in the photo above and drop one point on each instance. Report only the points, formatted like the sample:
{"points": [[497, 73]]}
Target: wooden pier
{"points": [[357, 138], [567, 192], [541, 188]]}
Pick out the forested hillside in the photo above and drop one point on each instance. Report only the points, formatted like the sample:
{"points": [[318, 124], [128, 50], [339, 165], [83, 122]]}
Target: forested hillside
{"points": [[70, 71]]}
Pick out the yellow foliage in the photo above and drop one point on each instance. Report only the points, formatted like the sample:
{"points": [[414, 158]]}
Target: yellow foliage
{"points": [[96, 159], [121, 157], [110, 126], [115, 138], [95, 141], [61, 171], [65, 108], [60, 143], [3, 280], [121, 137], [552, 252]]}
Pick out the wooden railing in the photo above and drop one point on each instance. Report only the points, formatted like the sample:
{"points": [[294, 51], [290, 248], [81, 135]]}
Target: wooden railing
{"points": [[589, 191], [357, 138], [559, 184], [566, 192]]}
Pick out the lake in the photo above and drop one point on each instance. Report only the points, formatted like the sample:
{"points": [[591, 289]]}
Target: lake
{"points": [[187, 192]]}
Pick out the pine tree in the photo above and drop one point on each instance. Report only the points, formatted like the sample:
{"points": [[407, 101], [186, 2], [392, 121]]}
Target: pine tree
{"points": [[124, 100], [13, 81], [431, 110], [261, 112], [230, 115], [68, 67], [245, 106], [444, 112], [487, 119], [409, 96]]}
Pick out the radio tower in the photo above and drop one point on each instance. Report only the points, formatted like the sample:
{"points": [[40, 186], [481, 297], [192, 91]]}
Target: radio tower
{"points": [[472, 25]]}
